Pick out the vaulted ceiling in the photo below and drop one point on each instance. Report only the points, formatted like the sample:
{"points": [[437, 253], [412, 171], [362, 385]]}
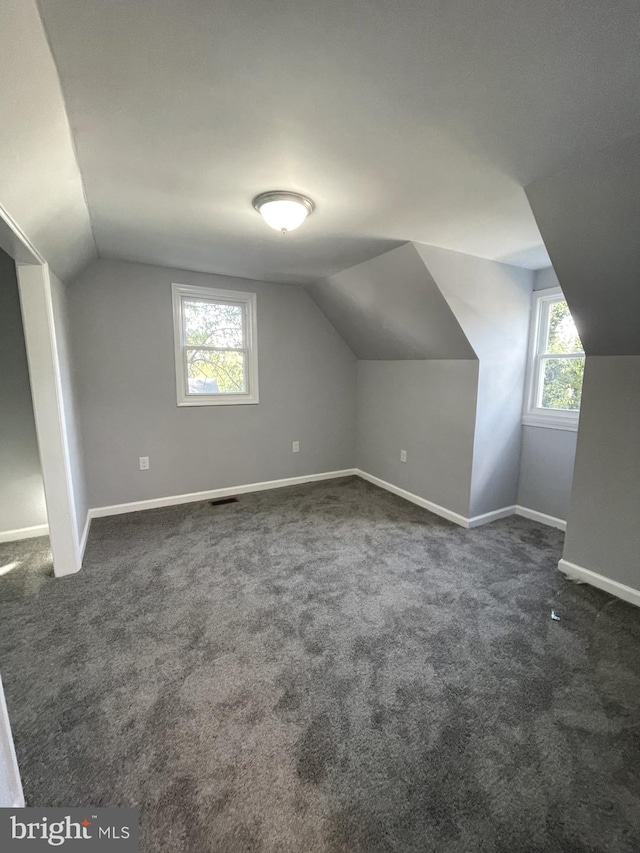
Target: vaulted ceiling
{"points": [[41, 192], [415, 120], [589, 215], [390, 308]]}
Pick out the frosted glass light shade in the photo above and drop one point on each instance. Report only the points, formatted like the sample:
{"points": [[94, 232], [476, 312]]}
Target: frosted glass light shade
{"points": [[283, 211]]}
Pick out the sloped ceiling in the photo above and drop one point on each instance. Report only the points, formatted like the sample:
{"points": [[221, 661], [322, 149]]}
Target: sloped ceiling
{"points": [[589, 216], [410, 120], [40, 184], [488, 299], [390, 308]]}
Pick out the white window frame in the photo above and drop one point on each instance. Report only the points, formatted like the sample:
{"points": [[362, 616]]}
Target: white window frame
{"points": [[534, 415], [210, 294]]}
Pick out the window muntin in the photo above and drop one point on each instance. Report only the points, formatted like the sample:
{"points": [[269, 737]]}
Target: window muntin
{"points": [[216, 347], [554, 384]]}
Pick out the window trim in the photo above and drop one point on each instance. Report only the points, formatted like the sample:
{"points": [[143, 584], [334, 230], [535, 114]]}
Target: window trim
{"points": [[211, 294], [534, 415]]}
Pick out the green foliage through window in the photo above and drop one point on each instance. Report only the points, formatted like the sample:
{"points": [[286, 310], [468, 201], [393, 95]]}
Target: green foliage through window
{"points": [[215, 351], [562, 383], [215, 372], [561, 378]]}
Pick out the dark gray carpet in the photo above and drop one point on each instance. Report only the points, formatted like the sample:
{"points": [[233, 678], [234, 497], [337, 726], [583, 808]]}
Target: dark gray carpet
{"points": [[327, 668]]}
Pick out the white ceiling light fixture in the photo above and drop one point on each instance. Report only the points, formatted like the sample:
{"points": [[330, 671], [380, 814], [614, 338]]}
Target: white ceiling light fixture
{"points": [[283, 211]]}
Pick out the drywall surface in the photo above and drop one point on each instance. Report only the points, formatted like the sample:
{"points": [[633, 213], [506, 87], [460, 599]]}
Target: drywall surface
{"points": [[22, 502], [123, 349], [390, 308], [545, 278], [40, 184], [548, 455], [498, 436], [492, 303], [589, 217], [603, 533], [546, 470], [59, 297], [428, 409]]}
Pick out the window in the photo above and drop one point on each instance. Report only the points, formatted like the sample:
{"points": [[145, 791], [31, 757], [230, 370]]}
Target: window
{"points": [[215, 346], [556, 366]]}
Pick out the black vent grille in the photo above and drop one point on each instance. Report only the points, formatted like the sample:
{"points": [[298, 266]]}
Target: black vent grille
{"points": [[221, 501]]}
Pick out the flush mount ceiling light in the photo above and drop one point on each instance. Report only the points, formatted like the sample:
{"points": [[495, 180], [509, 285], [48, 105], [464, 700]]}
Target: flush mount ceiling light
{"points": [[283, 211]]}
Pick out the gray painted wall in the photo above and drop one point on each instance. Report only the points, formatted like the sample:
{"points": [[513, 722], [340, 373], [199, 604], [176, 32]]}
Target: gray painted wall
{"points": [[546, 470], [22, 501], [122, 327], [548, 455], [545, 278], [589, 217], [420, 302], [603, 533], [492, 303], [68, 378], [498, 436], [428, 409], [390, 308]]}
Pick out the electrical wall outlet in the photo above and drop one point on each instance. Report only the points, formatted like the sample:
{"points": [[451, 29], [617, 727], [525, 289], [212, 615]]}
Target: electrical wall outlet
{"points": [[403, 455], [295, 447], [144, 463]]}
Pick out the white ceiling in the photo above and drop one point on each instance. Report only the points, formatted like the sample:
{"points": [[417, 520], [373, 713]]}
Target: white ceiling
{"points": [[40, 185], [412, 120]]}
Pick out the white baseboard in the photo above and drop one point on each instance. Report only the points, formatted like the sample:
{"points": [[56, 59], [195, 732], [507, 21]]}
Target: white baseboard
{"points": [[457, 518], [24, 533], [487, 517], [174, 500], [211, 494], [442, 511], [627, 593], [542, 517]]}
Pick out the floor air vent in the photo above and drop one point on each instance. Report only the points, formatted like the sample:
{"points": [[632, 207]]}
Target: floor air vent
{"points": [[221, 501]]}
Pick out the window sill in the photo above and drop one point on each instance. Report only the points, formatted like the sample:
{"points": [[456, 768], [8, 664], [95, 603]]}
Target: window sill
{"points": [[217, 401], [551, 421]]}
